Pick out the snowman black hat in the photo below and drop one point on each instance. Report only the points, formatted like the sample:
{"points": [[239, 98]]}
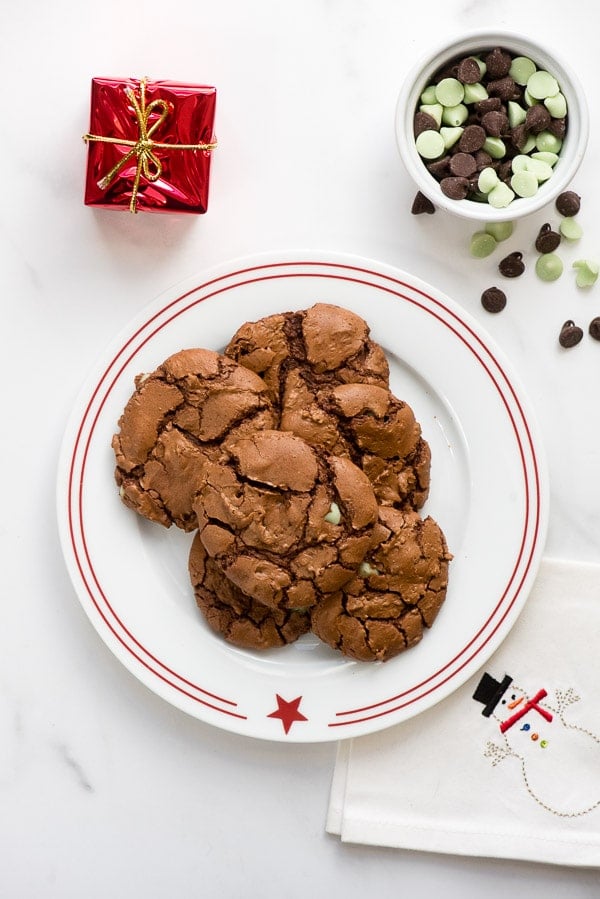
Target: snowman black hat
{"points": [[489, 691]]}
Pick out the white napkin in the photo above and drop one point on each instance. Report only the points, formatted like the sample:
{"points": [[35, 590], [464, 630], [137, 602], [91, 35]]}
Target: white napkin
{"points": [[461, 778]]}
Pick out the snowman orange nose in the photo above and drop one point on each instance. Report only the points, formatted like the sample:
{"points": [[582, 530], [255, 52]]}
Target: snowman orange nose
{"points": [[515, 703]]}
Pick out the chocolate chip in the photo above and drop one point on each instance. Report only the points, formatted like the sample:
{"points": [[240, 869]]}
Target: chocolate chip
{"points": [[495, 123], [490, 104], [512, 265], [463, 165], [482, 159], [451, 71], [547, 240], [594, 328], [423, 122], [519, 136], [468, 71], [511, 150], [558, 127], [422, 204], [570, 334], [568, 203], [498, 63], [493, 299], [440, 168], [505, 88], [505, 171], [472, 139], [537, 119], [455, 188]]}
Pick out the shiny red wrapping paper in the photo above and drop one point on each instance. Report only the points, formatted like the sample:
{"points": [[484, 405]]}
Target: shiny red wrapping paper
{"points": [[183, 174]]}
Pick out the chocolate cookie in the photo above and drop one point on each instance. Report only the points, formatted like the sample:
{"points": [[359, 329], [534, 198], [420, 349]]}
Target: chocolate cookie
{"points": [[314, 361], [369, 425], [177, 418], [331, 342], [238, 618], [286, 522], [398, 592]]}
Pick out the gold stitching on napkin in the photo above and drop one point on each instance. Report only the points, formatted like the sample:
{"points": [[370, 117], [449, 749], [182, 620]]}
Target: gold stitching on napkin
{"points": [[518, 749]]}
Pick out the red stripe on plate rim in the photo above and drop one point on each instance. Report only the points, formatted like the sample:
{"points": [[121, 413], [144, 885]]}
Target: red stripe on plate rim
{"points": [[177, 311]]}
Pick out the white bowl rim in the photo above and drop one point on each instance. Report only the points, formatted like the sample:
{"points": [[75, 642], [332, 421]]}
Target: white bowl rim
{"points": [[572, 151]]}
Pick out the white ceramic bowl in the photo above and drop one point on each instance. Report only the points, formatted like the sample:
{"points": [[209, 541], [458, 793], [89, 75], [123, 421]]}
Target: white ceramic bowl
{"points": [[571, 152]]}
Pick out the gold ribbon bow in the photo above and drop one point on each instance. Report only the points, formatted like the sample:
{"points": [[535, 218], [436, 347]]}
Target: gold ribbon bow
{"points": [[148, 163]]}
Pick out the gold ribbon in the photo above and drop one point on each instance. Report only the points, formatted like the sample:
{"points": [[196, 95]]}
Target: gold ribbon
{"points": [[148, 163]]}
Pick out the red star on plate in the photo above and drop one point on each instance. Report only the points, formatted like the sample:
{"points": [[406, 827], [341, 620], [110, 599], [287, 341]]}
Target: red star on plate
{"points": [[288, 712]]}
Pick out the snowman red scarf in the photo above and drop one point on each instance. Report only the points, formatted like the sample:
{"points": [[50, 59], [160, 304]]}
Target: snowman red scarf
{"points": [[530, 704]]}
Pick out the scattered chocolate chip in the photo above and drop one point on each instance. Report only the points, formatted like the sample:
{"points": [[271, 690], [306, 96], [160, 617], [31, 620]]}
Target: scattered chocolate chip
{"points": [[493, 299], [498, 63], [537, 119], [472, 139], [463, 165], [423, 122], [454, 187], [570, 334], [422, 204], [568, 203], [594, 328], [495, 123], [547, 240], [512, 265], [468, 71]]}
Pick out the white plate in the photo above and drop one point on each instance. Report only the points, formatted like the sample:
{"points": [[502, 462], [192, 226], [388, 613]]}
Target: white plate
{"points": [[489, 494]]}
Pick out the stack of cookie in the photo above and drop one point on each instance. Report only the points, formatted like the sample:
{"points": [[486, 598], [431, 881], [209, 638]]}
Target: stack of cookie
{"points": [[302, 476]]}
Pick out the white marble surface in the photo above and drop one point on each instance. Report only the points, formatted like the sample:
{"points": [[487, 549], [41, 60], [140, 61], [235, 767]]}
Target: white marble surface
{"points": [[105, 790]]}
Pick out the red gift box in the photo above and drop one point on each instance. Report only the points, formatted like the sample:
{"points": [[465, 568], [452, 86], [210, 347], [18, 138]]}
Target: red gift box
{"points": [[149, 145]]}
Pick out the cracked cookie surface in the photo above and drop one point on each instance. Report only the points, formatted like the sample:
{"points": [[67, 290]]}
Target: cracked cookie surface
{"points": [[370, 425], [398, 593], [286, 522], [330, 383], [331, 342], [232, 614], [176, 420]]}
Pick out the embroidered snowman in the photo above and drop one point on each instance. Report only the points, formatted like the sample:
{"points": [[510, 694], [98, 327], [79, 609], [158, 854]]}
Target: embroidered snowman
{"points": [[559, 762]]}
